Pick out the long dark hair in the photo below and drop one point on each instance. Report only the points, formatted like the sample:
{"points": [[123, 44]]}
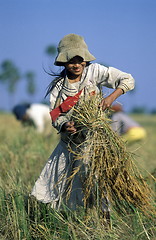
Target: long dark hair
{"points": [[58, 77]]}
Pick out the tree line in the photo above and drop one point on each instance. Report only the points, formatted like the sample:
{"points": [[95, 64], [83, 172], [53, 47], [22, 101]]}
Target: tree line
{"points": [[10, 74]]}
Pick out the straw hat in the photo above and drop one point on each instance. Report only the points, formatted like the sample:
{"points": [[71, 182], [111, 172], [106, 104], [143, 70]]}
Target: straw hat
{"points": [[70, 46]]}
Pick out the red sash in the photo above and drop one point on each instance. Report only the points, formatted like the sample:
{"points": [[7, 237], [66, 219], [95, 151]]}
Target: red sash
{"points": [[65, 106]]}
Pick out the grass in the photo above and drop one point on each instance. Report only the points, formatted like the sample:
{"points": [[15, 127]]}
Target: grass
{"points": [[23, 154], [145, 151]]}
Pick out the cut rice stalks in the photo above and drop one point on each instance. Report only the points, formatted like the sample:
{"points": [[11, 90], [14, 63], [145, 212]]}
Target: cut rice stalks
{"points": [[110, 168]]}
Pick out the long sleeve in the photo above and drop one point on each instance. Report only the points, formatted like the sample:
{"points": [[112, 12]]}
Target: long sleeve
{"points": [[119, 79], [112, 77]]}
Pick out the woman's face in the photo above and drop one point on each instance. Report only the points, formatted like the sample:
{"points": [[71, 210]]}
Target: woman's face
{"points": [[75, 66]]}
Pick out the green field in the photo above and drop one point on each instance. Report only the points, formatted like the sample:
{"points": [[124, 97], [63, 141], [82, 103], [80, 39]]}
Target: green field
{"points": [[23, 154]]}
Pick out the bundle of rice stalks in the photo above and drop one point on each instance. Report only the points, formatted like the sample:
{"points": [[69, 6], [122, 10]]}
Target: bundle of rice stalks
{"points": [[111, 172]]}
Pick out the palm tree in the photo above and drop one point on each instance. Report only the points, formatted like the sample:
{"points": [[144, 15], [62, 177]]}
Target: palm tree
{"points": [[31, 88], [10, 76], [51, 50]]}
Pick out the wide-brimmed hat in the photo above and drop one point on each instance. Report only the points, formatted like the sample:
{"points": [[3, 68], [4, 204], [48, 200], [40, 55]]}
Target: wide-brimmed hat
{"points": [[70, 46]]}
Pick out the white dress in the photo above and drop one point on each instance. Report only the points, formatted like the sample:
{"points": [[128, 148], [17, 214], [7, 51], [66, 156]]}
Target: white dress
{"points": [[52, 184]]}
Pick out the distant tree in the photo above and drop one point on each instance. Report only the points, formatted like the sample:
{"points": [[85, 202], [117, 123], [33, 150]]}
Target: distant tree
{"points": [[51, 50], [30, 78], [138, 110], [9, 75], [45, 102], [104, 64], [153, 111]]}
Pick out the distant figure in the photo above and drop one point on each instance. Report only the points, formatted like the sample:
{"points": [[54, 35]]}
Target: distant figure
{"points": [[125, 125], [35, 114]]}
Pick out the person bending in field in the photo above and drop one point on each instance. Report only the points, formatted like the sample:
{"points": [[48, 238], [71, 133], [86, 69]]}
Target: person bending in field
{"points": [[125, 126], [36, 115], [79, 78]]}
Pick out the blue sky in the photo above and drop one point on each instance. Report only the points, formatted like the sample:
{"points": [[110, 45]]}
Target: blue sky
{"points": [[120, 33]]}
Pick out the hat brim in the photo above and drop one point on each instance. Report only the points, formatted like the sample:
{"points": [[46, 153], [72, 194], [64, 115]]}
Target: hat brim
{"points": [[64, 57]]}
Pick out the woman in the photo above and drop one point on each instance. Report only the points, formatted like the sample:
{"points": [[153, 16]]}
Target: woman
{"points": [[80, 78]]}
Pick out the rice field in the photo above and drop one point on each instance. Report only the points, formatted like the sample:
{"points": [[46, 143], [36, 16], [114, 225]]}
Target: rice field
{"points": [[23, 154]]}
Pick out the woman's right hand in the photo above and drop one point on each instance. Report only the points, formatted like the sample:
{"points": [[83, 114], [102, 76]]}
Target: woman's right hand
{"points": [[69, 127]]}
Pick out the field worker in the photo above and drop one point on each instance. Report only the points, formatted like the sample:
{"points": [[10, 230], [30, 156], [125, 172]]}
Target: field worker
{"points": [[79, 78], [35, 114], [125, 126]]}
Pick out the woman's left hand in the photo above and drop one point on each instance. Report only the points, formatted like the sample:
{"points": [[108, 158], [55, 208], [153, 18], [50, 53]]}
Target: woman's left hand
{"points": [[107, 102]]}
